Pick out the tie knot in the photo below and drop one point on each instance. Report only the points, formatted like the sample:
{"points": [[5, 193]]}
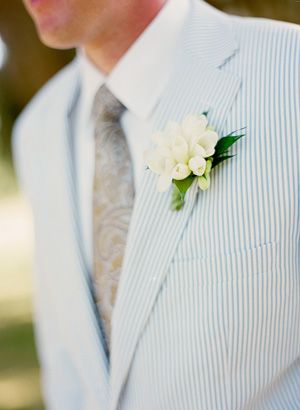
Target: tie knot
{"points": [[106, 106]]}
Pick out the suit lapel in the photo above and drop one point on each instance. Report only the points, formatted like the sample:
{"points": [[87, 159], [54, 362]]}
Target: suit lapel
{"points": [[197, 85], [66, 267]]}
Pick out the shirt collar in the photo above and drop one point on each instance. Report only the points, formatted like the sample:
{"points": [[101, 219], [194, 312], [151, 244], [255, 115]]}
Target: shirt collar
{"points": [[91, 80], [141, 74]]}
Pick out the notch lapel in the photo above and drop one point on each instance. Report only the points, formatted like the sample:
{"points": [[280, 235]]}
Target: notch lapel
{"points": [[65, 266], [196, 86]]}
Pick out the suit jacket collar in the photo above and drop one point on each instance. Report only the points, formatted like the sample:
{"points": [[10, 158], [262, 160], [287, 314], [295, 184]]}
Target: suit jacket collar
{"points": [[195, 86], [208, 35]]}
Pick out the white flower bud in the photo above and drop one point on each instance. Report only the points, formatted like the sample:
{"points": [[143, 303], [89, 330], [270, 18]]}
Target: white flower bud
{"points": [[197, 151], [197, 165], [193, 126], [208, 141], [181, 171], [203, 182], [180, 151]]}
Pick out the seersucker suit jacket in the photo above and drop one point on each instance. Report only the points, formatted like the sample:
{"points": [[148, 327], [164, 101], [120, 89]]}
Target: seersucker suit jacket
{"points": [[207, 314]]}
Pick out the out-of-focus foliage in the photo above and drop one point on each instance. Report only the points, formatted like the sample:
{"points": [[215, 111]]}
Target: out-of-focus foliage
{"points": [[286, 10]]}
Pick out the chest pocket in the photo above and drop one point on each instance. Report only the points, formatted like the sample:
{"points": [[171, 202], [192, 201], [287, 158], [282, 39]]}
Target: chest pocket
{"points": [[225, 267]]}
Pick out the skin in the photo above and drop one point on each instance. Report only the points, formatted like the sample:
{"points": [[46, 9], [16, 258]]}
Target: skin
{"points": [[105, 29]]}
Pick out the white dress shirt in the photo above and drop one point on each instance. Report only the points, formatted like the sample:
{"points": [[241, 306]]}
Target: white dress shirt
{"points": [[137, 81]]}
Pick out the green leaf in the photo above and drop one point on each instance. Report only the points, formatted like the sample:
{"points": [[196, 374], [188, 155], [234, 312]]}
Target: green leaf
{"points": [[180, 188], [233, 132], [226, 142], [184, 184], [177, 199], [218, 160]]}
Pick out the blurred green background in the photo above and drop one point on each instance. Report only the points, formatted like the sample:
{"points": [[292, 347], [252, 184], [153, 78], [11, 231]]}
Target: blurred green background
{"points": [[25, 65]]}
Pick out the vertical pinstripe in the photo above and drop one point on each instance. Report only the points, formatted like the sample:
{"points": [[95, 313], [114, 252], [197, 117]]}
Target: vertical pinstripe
{"points": [[207, 314]]}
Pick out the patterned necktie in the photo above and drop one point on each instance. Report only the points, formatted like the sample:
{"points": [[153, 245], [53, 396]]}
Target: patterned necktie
{"points": [[113, 196]]}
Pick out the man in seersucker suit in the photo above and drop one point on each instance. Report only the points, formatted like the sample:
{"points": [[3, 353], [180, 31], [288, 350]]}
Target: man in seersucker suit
{"points": [[138, 306]]}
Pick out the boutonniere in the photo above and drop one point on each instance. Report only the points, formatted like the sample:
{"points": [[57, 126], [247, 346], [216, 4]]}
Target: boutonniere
{"points": [[185, 152]]}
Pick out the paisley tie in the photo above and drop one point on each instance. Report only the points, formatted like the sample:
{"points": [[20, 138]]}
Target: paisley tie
{"points": [[113, 196]]}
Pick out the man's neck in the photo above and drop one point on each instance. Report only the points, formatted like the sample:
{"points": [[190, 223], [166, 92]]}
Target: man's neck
{"points": [[107, 50]]}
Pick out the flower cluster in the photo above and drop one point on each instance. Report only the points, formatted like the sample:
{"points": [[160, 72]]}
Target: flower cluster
{"points": [[182, 150], [187, 152]]}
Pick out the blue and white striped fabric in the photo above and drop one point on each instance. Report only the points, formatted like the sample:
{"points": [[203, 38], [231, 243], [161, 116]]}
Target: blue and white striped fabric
{"points": [[207, 314]]}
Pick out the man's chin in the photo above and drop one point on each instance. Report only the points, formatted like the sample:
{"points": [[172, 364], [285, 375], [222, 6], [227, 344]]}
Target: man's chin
{"points": [[56, 42], [58, 39], [54, 32]]}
